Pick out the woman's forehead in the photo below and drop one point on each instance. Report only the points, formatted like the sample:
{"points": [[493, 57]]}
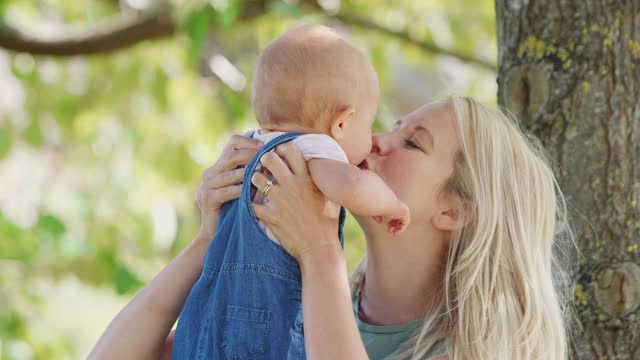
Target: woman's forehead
{"points": [[430, 116]]}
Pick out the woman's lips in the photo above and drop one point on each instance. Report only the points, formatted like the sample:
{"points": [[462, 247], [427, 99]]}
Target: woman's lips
{"points": [[363, 165]]}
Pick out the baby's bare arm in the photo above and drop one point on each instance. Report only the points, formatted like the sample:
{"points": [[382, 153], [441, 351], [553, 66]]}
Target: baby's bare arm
{"points": [[361, 191]]}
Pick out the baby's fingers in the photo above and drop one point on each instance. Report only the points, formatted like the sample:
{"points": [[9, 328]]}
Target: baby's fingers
{"points": [[396, 226]]}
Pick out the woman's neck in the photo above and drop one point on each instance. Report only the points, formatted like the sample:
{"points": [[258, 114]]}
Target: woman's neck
{"points": [[402, 275]]}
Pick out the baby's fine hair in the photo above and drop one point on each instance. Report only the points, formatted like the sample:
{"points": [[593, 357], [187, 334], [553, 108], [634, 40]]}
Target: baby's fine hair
{"points": [[309, 75]]}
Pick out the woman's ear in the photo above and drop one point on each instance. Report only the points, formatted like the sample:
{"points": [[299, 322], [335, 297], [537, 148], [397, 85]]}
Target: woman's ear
{"points": [[339, 122], [453, 218]]}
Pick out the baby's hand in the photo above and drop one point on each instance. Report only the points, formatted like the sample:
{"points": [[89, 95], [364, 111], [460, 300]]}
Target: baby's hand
{"points": [[398, 220]]}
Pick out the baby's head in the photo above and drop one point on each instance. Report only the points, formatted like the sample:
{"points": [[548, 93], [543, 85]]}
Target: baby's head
{"points": [[310, 79]]}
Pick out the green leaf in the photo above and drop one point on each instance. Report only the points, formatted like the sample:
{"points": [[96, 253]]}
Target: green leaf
{"points": [[12, 323], [174, 162], [106, 256], [235, 105], [124, 280], [228, 15], [284, 9], [197, 28], [17, 243], [33, 134], [5, 141], [51, 224], [377, 126]]}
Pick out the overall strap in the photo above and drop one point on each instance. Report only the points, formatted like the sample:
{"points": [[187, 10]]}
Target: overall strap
{"points": [[245, 195]]}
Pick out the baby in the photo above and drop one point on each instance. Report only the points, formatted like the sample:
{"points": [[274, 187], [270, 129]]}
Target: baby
{"points": [[312, 81], [315, 90]]}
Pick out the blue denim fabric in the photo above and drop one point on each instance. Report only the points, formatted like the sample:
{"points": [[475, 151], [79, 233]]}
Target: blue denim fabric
{"points": [[247, 302]]}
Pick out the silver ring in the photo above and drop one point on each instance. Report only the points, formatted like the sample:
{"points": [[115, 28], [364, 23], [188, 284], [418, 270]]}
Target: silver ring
{"points": [[267, 187]]}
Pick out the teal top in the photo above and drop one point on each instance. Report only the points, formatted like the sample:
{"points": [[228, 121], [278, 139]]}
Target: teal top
{"points": [[382, 341]]}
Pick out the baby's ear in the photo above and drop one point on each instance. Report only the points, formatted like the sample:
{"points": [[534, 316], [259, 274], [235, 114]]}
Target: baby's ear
{"points": [[339, 122]]}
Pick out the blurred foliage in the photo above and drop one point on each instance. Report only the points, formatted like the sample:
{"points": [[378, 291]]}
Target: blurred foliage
{"points": [[100, 156]]}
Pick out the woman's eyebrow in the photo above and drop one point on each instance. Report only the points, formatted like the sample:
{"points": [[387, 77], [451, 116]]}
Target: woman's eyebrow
{"points": [[397, 124], [428, 134]]}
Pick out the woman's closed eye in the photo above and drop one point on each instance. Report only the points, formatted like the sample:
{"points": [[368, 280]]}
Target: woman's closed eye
{"points": [[410, 144]]}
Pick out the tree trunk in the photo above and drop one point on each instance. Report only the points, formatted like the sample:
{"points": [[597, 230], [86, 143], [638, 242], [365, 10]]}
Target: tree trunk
{"points": [[570, 71]]}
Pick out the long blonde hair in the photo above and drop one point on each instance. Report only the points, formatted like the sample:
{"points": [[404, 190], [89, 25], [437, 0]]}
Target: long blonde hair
{"points": [[504, 291]]}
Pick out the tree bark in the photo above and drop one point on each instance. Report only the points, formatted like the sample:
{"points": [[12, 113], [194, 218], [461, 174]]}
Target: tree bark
{"points": [[570, 71]]}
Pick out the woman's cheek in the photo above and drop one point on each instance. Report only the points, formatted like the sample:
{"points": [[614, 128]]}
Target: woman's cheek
{"points": [[398, 177]]}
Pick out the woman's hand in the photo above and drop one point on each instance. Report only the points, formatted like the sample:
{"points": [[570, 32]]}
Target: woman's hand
{"points": [[140, 330], [223, 181], [295, 207], [294, 213]]}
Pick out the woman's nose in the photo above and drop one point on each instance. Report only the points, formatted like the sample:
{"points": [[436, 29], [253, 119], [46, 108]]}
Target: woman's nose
{"points": [[380, 144]]}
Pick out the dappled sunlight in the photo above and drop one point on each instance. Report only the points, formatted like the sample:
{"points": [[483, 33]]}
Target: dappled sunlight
{"points": [[100, 155]]}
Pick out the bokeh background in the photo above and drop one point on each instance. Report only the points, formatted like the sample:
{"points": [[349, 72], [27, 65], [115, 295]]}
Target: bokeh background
{"points": [[101, 150]]}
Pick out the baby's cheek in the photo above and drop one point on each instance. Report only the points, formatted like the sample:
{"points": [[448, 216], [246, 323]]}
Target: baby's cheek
{"points": [[366, 149], [363, 148], [368, 144]]}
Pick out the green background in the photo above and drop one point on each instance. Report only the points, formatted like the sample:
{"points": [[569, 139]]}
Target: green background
{"points": [[100, 155]]}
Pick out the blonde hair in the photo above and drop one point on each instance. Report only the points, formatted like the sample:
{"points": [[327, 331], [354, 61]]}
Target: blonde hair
{"points": [[504, 292], [308, 76]]}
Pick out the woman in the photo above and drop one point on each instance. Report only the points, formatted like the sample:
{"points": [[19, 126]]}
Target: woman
{"points": [[472, 277]]}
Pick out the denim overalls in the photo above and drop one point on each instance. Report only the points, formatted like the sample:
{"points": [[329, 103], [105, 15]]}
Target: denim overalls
{"points": [[247, 302]]}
